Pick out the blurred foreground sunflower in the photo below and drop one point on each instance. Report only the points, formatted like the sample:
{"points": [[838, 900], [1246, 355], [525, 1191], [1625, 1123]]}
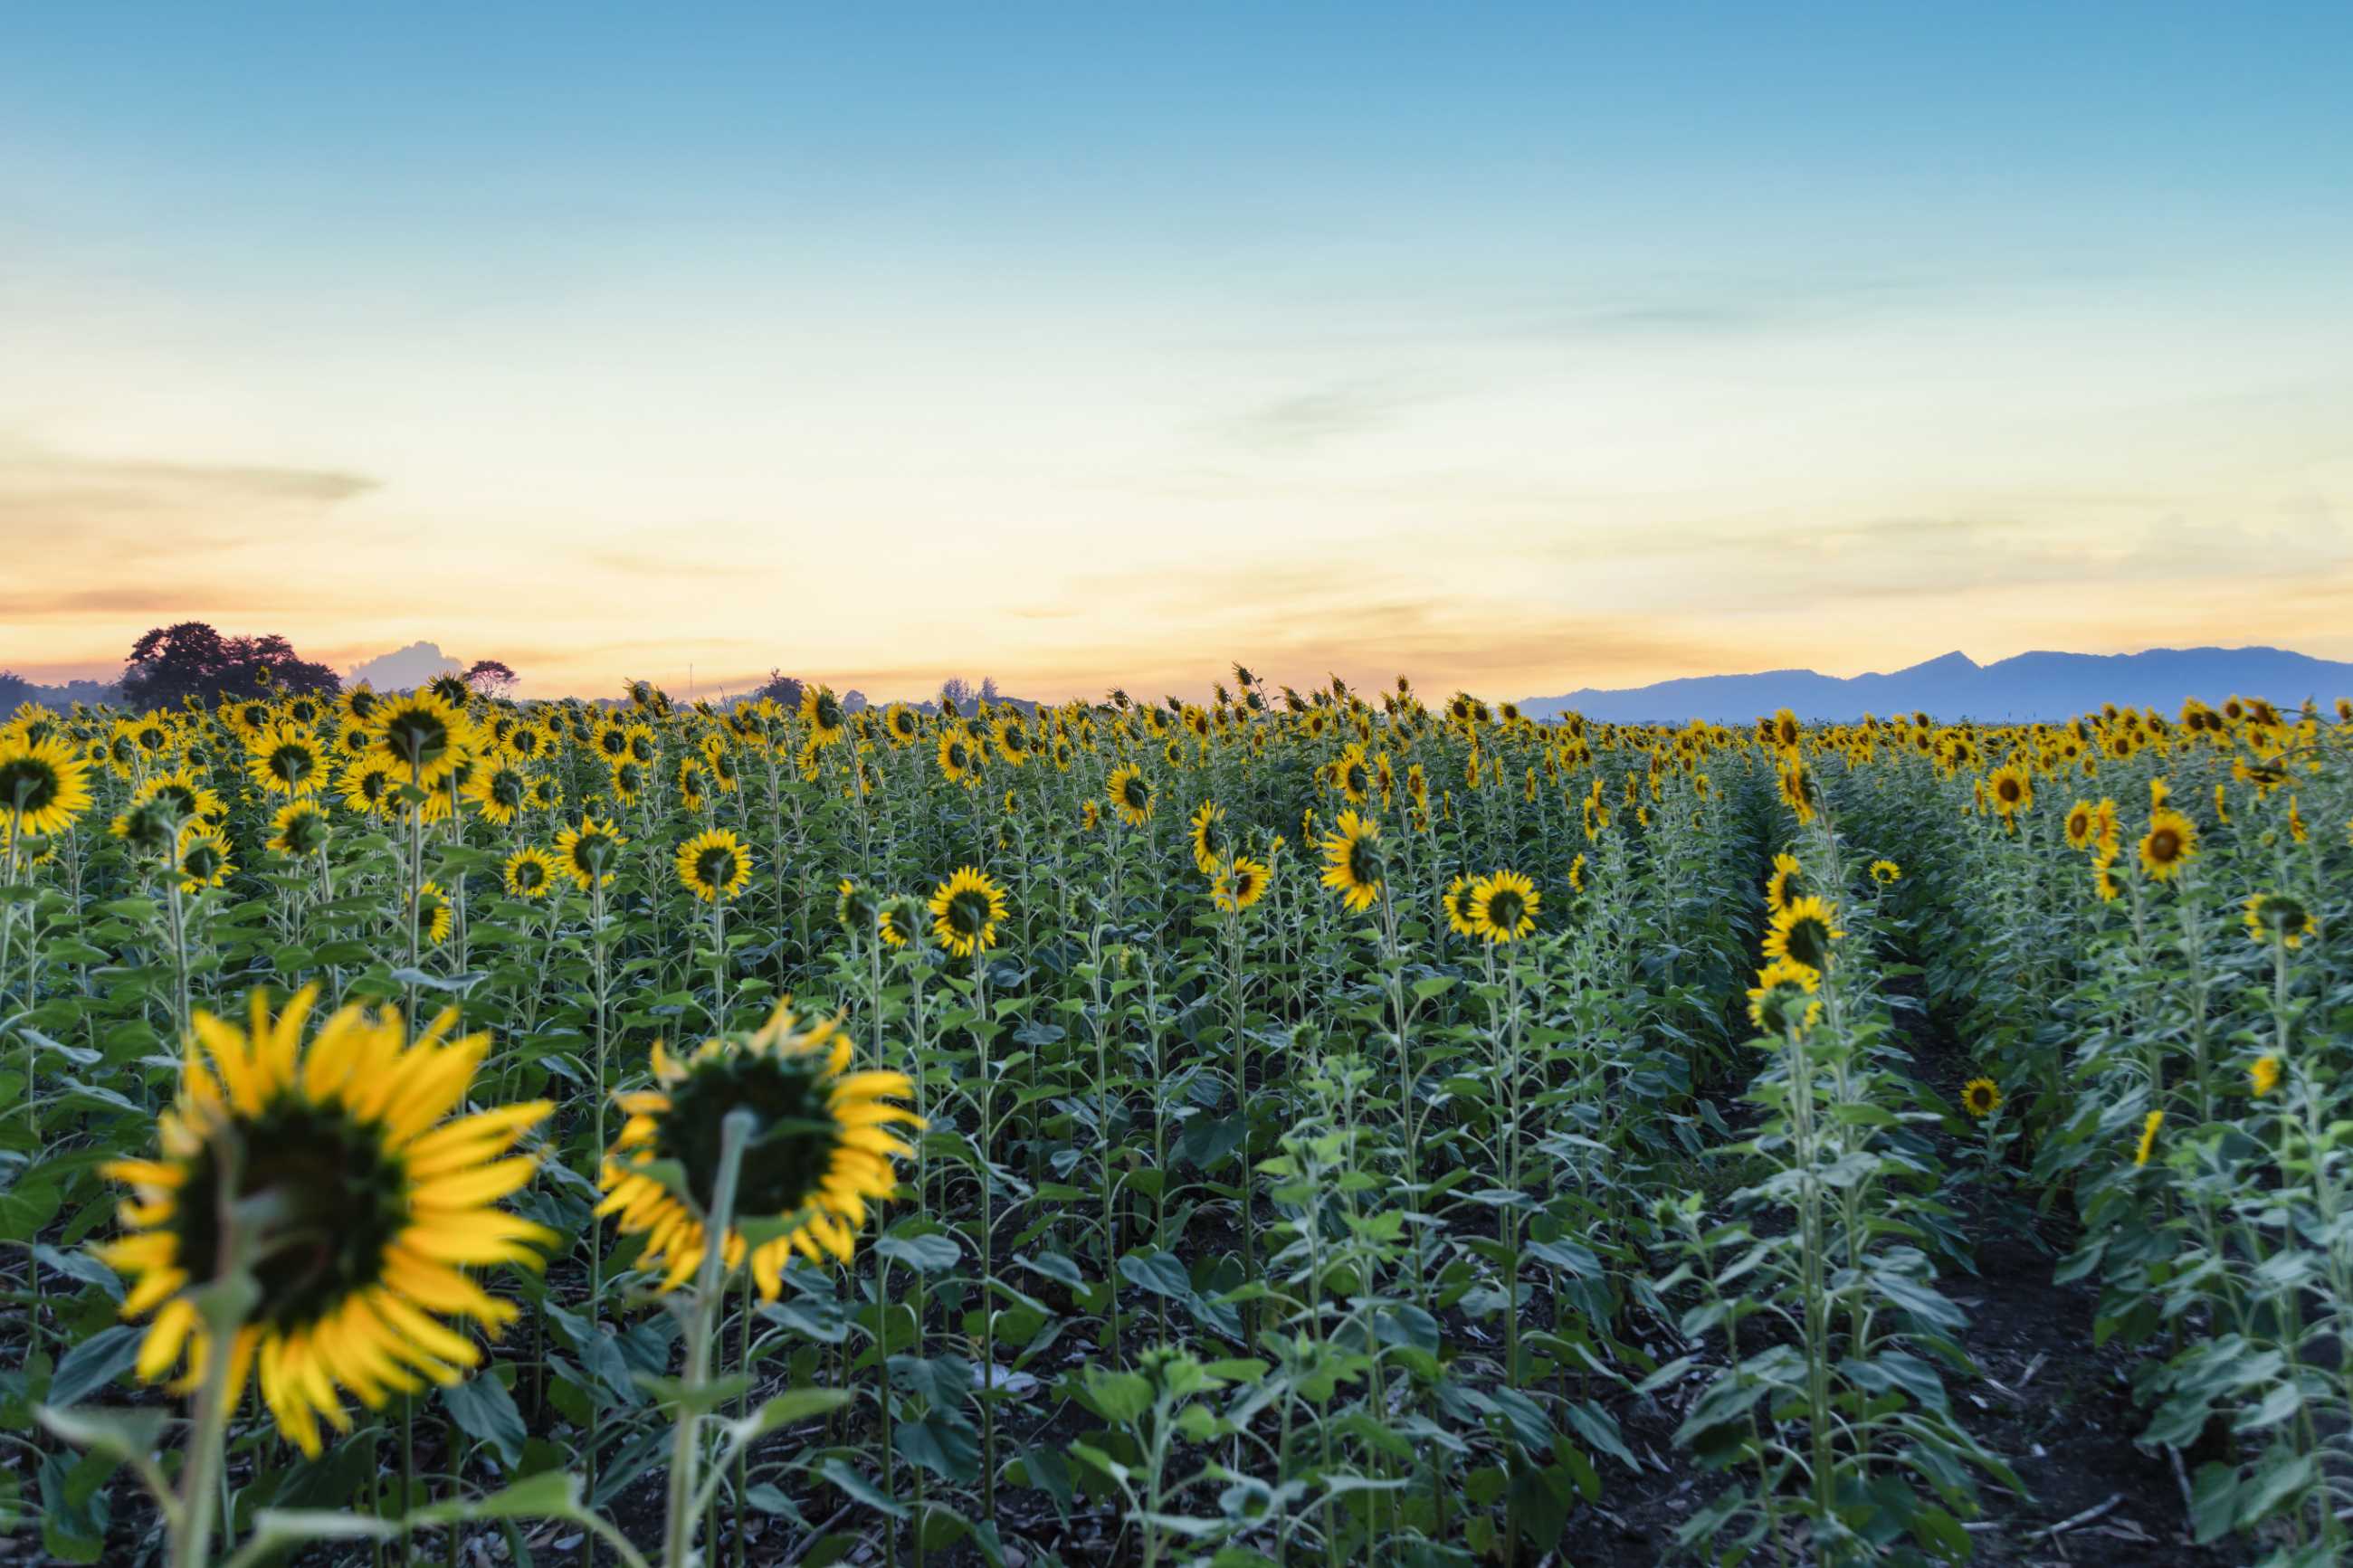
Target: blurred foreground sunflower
{"points": [[368, 1203]]}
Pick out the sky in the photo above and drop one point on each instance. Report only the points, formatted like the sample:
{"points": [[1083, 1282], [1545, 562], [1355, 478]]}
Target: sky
{"points": [[1521, 347]]}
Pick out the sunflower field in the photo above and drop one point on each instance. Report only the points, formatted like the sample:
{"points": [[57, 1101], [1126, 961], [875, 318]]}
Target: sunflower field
{"points": [[1316, 1129]]}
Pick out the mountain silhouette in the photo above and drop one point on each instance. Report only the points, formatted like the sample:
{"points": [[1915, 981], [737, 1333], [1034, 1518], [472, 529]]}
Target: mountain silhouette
{"points": [[2030, 686]]}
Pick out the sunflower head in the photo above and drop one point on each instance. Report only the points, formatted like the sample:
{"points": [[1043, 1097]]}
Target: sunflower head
{"points": [[434, 919], [203, 857], [854, 907], [1980, 1097], [1786, 883], [819, 1151], [1886, 873], [1353, 866], [1503, 907], [43, 783], [300, 827], [1782, 1001], [965, 911], [423, 734], [713, 865], [358, 1203], [530, 873], [1457, 902], [1211, 840], [589, 852], [821, 711], [1240, 883], [2170, 843], [2276, 917], [2263, 1075], [902, 920], [1802, 931], [1130, 795]]}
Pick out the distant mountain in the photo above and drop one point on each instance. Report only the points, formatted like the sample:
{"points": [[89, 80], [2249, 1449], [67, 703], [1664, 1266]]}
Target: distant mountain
{"points": [[14, 689], [405, 670], [2030, 686]]}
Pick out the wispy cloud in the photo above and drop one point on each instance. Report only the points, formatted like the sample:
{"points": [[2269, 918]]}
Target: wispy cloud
{"points": [[1312, 418]]}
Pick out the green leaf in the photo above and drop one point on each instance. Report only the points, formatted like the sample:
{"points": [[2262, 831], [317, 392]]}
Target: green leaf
{"points": [[925, 1254], [95, 1362], [793, 1405], [124, 1434], [486, 1412]]}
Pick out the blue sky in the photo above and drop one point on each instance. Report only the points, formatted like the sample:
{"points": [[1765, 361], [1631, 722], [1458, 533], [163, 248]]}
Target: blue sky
{"points": [[1527, 347]]}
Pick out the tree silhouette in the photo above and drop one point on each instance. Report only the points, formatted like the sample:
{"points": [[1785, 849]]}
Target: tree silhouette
{"points": [[492, 675], [170, 664]]}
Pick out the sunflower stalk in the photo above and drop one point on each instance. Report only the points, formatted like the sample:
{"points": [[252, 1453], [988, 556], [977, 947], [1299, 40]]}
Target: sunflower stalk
{"points": [[223, 1306], [686, 1448]]}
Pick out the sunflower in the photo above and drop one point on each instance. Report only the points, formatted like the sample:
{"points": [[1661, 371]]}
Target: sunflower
{"points": [[368, 783], [499, 789], [1012, 739], [434, 919], [377, 1201], [589, 852], [1210, 842], [300, 827], [1503, 905], [854, 907], [900, 723], [1787, 882], [612, 742], [713, 865], [1130, 794], [286, 761], [1240, 883], [2149, 1124], [1783, 998], [2263, 1075], [202, 858], [1886, 873], [423, 734], [1980, 1097], [2271, 915], [821, 711], [1090, 815], [1577, 873], [526, 743], [820, 1153], [1802, 932], [900, 922], [1352, 775], [625, 780], [965, 911], [1456, 902], [2170, 842], [2013, 789], [1798, 791], [148, 830], [2083, 824], [958, 761], [530, 872], [1352, 861], [44, 784]]}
